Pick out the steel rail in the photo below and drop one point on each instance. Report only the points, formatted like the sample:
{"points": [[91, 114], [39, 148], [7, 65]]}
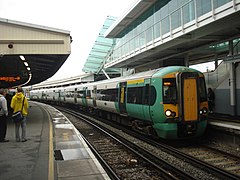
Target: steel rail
{"points": [[222, 173], [107, 168], [139, 151]]}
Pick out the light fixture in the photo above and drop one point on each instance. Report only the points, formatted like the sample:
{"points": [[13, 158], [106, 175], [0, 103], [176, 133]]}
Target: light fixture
{"points": [[22, 57], [25, 63], [10, 46], [29, 79], [28, 68]]}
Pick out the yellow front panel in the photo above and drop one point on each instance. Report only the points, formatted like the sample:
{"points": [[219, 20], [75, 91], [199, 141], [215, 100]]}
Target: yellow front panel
{"points": [[190, 100], [122, 95]]}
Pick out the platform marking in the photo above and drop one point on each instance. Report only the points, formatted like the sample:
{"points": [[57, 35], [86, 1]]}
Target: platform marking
{"points": [[50, 159], [225, 125]]}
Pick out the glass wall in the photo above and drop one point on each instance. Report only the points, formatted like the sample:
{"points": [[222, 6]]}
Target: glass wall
{"points": [[159, 21]]}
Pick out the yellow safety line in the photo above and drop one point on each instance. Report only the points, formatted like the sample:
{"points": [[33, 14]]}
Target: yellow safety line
{"points": [[50, 159]]}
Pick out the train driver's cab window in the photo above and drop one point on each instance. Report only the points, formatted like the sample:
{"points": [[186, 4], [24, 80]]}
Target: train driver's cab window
{"points": [[202, 89], [169, 91]]}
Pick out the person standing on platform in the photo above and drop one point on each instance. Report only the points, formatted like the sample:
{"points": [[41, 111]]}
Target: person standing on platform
{"points": [[9, 99], [211, 99], [3, 115], [19, 102]]}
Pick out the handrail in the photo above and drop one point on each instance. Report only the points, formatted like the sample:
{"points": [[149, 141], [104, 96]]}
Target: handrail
{"points": [[164, 26]]}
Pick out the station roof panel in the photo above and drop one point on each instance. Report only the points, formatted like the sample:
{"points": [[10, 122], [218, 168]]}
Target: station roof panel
{"points": [[162, 33], [100, 49], [137, 8], [30, 53]]}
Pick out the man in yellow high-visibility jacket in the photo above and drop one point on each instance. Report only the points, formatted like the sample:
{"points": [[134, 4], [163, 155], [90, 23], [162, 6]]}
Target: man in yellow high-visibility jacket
{"points": [[20, 103]]}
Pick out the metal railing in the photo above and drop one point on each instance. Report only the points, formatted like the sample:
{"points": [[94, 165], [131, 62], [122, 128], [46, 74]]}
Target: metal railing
{"points": [[185, 18]]}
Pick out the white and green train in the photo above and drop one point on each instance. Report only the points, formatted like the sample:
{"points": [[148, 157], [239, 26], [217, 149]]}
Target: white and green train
{"points": [[170, 102]]}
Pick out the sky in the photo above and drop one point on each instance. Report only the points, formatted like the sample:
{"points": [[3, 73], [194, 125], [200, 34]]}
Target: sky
{"points": [[83, 18]]}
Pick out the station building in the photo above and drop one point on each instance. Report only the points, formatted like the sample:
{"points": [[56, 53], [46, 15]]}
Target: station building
{"points": [[158, 33]]}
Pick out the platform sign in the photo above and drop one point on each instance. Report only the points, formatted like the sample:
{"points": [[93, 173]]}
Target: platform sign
{"points": [[10, 78]]}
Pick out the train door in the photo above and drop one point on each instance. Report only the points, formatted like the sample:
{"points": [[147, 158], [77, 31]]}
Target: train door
{"points": [[84, 100], [146, 98], [122, 97], [189, 96], [94, 96], [75, 95]]}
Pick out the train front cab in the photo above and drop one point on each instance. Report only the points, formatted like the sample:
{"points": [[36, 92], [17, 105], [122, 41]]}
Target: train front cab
{"points": [[184, 105]]}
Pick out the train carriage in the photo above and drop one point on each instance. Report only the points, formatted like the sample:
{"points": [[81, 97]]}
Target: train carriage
{"points": [[106, 96], [183, 102], [170, 102], [70, 94], [35, 95]]}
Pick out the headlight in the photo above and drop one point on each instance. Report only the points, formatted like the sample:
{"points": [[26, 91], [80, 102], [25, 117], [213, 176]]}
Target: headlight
{"points": [[203, 111], [168, 113]]}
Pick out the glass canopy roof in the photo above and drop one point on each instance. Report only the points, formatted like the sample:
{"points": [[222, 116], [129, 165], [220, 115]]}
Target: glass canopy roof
{"points": [[100, 50]]}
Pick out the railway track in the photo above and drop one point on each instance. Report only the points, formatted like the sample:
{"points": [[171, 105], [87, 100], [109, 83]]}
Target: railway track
{"points": [[207, 159], [228, 162], [127, 160], [194, 167]]}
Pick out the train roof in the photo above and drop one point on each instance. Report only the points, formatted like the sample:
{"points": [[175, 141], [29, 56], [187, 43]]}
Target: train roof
{"points": [[112, 82], [140, 75]]}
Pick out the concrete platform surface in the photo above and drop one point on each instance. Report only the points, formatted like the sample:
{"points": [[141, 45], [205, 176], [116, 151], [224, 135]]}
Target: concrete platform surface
{"points": [[49, 133]]}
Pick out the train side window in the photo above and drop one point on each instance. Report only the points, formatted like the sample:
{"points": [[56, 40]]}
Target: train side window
{"points": [[79, 94], [152, 96], [146, 94], [202, 89], [107, 95], [69, 94], [98, 95], [114, 94], [134, 95]]}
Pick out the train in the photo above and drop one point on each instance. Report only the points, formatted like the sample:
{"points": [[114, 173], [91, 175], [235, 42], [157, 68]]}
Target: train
{"points": [[168, 103]]}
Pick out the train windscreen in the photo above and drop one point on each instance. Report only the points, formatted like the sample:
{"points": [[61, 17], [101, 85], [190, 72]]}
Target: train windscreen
{"points": [[169, 91], [202, 89]]}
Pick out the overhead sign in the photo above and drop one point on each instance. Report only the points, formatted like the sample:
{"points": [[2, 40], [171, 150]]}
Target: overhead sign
{"points": [[10, 78]]}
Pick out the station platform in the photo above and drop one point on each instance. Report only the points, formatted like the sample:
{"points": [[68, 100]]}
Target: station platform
{"points": [[49, 134], [224, 128], [231, 123]]}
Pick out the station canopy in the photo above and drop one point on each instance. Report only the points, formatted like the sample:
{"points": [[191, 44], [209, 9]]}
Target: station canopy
{"points": [[100, 50], [29, 53]]}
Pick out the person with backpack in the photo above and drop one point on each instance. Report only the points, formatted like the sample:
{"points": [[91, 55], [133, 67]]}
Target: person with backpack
{"points": [[20, 103]]}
